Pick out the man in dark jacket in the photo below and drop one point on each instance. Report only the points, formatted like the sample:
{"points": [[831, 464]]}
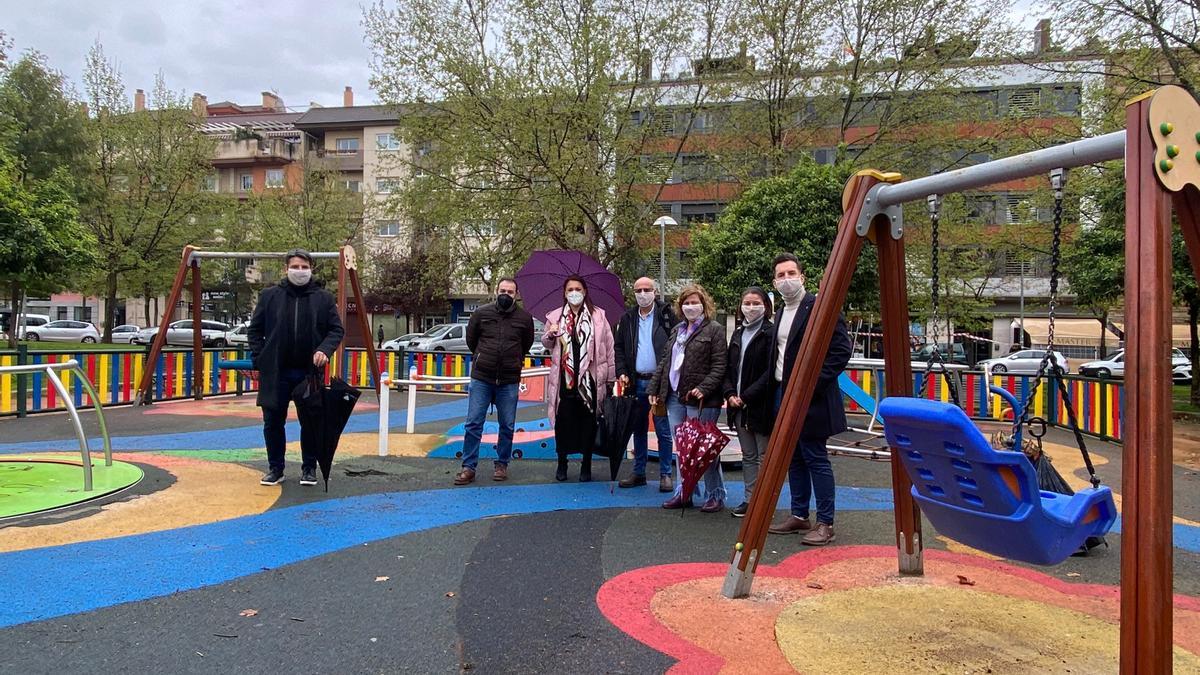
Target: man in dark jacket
{"points": [[499, 336], [810, 471], [639, 345], [294, 331]]}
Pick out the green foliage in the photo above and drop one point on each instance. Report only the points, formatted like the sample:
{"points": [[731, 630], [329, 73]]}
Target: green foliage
{"points": [[797, 212], [318, 213], [44, 123], [1094, 263]]}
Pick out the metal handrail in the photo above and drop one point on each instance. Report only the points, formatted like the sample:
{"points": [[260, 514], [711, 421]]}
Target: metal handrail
{"points": [[51, 374]]}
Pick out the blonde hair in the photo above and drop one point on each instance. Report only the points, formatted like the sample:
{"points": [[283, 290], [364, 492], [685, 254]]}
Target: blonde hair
{"points": [[706, 301]]}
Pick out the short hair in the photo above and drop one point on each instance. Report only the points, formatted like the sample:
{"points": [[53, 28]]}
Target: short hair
{"points": [[762, 294], [509, 280], [297, 253], [787, 257], [706, 301]]}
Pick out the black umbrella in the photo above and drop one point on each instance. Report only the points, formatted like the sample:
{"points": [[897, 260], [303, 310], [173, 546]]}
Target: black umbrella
{"points": [[618, 418], [323, 411]]}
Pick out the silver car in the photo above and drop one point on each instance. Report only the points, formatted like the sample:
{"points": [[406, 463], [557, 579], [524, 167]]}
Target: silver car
{"points": [[1024, 362], [125, 334], [445, 337], [63, 331], [212, 333]]}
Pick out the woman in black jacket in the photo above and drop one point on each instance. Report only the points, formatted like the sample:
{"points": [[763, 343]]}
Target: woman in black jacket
{"points": [[748, 384], [690, 380]]}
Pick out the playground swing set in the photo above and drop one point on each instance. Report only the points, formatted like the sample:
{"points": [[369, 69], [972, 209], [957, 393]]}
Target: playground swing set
{"points": [[941, 463], [347, 279]]}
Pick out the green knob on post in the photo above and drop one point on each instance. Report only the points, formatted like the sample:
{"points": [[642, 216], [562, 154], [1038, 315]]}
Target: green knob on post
{"points": [[739, 546], [1172, 151], [1166, 128], [1166, 165]]}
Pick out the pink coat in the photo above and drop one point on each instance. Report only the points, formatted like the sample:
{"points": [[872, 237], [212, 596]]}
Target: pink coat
{"points": [[603, 366]]}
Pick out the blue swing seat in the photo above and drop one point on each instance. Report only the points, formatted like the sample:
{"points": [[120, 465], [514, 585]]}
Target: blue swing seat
{"points": [[986, 498]]}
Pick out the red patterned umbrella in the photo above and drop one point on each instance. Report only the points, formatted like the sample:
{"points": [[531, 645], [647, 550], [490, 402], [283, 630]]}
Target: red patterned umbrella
{"points": [[697, 445]]}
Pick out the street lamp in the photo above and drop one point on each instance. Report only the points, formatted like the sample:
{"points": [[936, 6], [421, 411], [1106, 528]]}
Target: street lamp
{"points": [[662, 223]]}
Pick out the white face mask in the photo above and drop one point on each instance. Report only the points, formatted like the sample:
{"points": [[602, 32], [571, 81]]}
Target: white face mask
{"points": [[299, 277], [575, 298], [753, 313], [693, 312], [790, 287], [644, 298]]}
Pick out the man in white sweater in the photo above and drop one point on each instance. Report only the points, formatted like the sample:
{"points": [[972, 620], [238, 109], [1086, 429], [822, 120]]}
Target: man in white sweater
{"points": [[810, 472]]}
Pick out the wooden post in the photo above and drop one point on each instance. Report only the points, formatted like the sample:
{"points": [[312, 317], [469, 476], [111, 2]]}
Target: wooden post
{"points": [[197, 336], [341, 306], [1146, 546], [799, 392], [160, 338], [351, 262], [897, 359]]}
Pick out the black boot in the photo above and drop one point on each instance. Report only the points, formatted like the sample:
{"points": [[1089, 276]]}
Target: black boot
{"points": [[561, 474], [585, 471]]}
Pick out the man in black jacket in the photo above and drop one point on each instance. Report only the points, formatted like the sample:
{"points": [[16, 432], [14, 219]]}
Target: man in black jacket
{"points": [[810, 472], [499, 336], [294, 331], [639, 345]]}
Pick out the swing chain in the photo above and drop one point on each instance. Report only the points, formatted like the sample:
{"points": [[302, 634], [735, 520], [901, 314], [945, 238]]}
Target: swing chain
{"points": [[934, 203]]}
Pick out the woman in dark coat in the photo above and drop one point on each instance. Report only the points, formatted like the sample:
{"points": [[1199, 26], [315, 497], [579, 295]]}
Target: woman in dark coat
{"points": [[748, 384], [690, 379]]}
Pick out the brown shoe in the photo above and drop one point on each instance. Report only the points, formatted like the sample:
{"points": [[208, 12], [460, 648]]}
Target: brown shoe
{"points": [[633, 480], [500, 472], [790, 525], [823, 534], [665, 484], [465, 476]]}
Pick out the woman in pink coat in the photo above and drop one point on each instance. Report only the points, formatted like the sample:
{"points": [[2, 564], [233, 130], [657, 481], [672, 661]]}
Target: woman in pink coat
{"points": [[582, 364]]}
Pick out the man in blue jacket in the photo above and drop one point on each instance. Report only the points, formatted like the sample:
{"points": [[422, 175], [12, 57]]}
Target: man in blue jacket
{"points": [[293, 332]]}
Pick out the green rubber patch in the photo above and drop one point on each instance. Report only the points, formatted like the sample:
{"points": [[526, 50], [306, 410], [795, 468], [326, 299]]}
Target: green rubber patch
{"points": [[242, 455], [31, 485]]}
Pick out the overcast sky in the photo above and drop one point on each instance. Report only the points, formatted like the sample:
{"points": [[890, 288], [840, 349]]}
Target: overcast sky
{"points": [[305, 50]]}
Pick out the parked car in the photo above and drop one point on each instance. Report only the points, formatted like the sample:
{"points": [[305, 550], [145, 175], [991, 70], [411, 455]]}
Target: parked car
{"points": [[31, 321], [402, 342], [212, 334], [445, 337], [951, 353], [1114, 366], [1181, 374], [1024, 362], [63, 331], [238, 336], [125, 334]]}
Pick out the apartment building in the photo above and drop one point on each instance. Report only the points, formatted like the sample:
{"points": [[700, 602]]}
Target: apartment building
{"points": [[258, 146]]}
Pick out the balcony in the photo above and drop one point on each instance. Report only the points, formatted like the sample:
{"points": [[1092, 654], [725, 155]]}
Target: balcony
{"points": [[339, 160], [251, 151]]}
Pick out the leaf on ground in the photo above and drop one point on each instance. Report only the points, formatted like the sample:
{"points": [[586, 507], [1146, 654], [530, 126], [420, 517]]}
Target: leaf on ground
{"points": [[813, 584], [450, 594], [382, 578], [965, 581], [1073, 574], [248, 612]]}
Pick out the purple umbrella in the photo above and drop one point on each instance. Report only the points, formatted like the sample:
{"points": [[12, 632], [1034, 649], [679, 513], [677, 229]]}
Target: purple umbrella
{"points": [[541, 282]]}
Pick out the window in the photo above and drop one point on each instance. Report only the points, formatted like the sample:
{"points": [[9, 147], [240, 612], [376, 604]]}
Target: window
{"points": [[62, 313], [274, 178], [635, 118], [1066, 99], [385, 186], [387, 142], [424, 148], [388, 228], [246, 182], [210, 182], [1019, 208], [346, 146], [352, 185], [420, 172], [825, 155], [1024, 102], [455, 333]]}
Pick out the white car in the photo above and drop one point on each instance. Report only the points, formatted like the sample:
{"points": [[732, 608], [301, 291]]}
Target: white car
{"points": [[32, 322], [238, 336], [1024, 362], [63, 331], [125, 334], [212, 333], [1114, 366], [1181, 374], [402, 342]]}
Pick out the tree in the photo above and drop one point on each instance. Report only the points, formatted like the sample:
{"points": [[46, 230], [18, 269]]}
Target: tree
{"points": [[144, 193], [411, 283], [535, 117], [798, 212], [45, 122], [315, 211], [1094, 263], [41, 240]]}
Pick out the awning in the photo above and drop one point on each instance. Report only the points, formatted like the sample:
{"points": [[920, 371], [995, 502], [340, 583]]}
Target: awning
{"points": [[1086, 332]]}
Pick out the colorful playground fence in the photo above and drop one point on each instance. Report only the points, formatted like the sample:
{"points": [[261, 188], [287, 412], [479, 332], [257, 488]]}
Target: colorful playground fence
{"points": [[115, 374]]}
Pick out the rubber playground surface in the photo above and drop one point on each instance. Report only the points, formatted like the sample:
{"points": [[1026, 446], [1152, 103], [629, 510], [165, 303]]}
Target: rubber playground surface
{"points": [[194, 567]]}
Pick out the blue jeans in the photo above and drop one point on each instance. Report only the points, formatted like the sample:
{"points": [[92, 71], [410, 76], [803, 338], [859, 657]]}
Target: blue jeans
{"points": [[677, 412], [641, 429], [481, 395], [274, 420], [810, 473]]}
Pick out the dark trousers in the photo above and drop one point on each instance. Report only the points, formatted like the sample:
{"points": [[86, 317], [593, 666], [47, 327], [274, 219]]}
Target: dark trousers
{"points": [[809, 473], [275, 418]]}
